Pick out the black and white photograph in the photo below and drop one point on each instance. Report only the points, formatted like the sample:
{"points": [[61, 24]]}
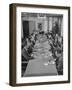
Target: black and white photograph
{"points": [[41, 44]]}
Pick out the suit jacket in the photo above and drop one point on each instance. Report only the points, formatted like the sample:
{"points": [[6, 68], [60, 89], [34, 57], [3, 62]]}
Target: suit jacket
{"points": [[25, 55]]}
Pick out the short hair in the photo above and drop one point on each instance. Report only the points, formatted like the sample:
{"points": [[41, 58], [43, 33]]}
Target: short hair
{"points": [[41, 32]]}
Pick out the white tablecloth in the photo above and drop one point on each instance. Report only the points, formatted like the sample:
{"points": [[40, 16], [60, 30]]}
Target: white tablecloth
{"points": [[40, 67]]}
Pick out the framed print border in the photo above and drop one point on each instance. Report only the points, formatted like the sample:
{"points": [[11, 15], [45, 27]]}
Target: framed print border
{"points": [[13, 39]]}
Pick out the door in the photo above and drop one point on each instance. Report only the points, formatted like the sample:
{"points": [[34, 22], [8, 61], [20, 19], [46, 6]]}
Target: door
{"points": [[25, 29]]}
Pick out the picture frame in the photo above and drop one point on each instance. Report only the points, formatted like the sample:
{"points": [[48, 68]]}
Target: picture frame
{"points": [[42, 67]]}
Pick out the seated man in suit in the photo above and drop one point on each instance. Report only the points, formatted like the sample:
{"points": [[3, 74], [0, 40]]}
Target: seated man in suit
{"points": [[26, 51], [59, 65], [59, 60]]}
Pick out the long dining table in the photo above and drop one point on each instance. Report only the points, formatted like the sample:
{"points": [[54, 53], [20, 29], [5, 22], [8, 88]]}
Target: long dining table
{"points": [[40, 67]]}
